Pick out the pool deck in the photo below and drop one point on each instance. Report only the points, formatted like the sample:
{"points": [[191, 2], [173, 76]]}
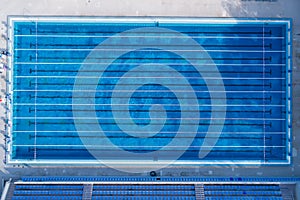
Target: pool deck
{"points": [[192, 8]]}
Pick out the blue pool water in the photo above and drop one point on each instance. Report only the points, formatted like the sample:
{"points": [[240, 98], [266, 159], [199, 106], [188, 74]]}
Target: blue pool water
{"points": [[242, 90]]}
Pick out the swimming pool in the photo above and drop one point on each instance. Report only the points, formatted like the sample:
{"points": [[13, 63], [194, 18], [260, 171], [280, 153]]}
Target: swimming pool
{"points": [[186, 90]]}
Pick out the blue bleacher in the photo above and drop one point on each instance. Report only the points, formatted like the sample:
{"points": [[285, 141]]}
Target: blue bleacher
{"points": [[243, 198], [241, 187], [150, 190], [49, 187], [46, 192], [148, 187], [242, 192], [141, 198], [144, 192], [46, 198]]}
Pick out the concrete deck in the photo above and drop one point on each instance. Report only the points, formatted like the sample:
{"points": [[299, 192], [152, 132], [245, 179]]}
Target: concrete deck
{"points": [[195, 8]]}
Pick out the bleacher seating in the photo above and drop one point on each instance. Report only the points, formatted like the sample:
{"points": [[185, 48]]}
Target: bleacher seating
{"points": [[46, 198], [240, 192], [154, 188]]}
